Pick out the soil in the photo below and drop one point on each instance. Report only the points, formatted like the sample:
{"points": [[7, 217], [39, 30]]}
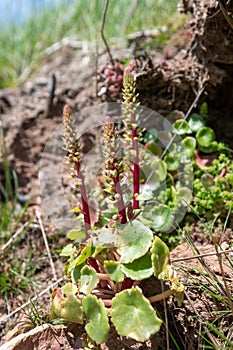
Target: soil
{"points": [[29, 115]]}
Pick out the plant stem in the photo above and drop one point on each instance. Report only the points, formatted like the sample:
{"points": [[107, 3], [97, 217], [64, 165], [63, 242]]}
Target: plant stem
{"points": [[136, 168], [160, 296], [74, 159], [120, 201], [85, 205]]}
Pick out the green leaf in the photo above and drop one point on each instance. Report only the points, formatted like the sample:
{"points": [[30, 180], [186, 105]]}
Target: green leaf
{"points": [[82, 257], [160, 257], [188, 146], [68, 250], [154, 171], [88, 279], [76, 234], [133, 316], [69, 288], [181, 127], [146, 193], [113, 269], [103, 237], [76, 272], [154, 148], [184, 195], [205, 136], [161, 217], [134, 240], [151, 135], [68, 308], [139, 269], [207, 180], [98, 326], [172, 161], [195, 122]]}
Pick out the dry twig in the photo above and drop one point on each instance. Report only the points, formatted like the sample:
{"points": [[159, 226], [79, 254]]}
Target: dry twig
{"points": [[102, 32]]}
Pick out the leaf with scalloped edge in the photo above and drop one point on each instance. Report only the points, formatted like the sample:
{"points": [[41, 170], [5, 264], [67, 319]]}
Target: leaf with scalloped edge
{"points": [[69, 288], [181, 127], [98, 325], [68, 250], [160, 216], [160, 258], [76, 234], [113, 269], [133, 240], [133, 315], [139, 269], [88, 279], [188, 146], [195, 122], [84, 254], [68, 307]]}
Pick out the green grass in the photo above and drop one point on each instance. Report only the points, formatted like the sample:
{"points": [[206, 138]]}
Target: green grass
{"points": [[13, 276], [22, 46]]}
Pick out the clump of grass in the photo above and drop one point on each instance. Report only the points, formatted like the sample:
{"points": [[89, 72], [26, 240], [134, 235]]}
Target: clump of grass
{"points": [[215, 330], [14, 269], [22, 46]]}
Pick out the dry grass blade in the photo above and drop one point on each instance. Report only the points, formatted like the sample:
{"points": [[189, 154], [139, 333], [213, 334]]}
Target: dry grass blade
{"points": [[51, 287], [13, 237], [38, 215], [203, 255]]}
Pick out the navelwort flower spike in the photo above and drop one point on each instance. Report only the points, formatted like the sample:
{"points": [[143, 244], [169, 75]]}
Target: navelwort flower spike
{"points": [[131, 116], [113, 168], [72, 146]]}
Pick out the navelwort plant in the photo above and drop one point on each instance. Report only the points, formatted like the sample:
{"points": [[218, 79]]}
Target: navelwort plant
{"points": [[121, 248]]}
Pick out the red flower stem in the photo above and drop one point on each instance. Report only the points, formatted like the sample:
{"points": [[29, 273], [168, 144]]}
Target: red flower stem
{"points": [[85, 205], [136, 168], [120, 202]]}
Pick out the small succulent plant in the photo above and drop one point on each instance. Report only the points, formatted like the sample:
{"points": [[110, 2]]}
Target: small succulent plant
{"points": [[121, 249]]}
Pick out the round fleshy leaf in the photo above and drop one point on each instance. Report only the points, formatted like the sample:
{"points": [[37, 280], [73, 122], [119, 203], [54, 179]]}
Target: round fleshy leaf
{"points": [[151, 135], [133, 240], [159, 167], [133, 316], [181, 127], [205, 136], [103, 237], [172, 161], [188, 146], [113, 269], [76, 272], [76, 234], [82, 257], [69, 288], [184, 196], [161, 217], [196, 122], [154, 148], [139, 269], [68, 307], [84, 254], [88, 279], [160, 257], [155, 172], [207, 180], [146, 193], [98, 325], [68, 250]]}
